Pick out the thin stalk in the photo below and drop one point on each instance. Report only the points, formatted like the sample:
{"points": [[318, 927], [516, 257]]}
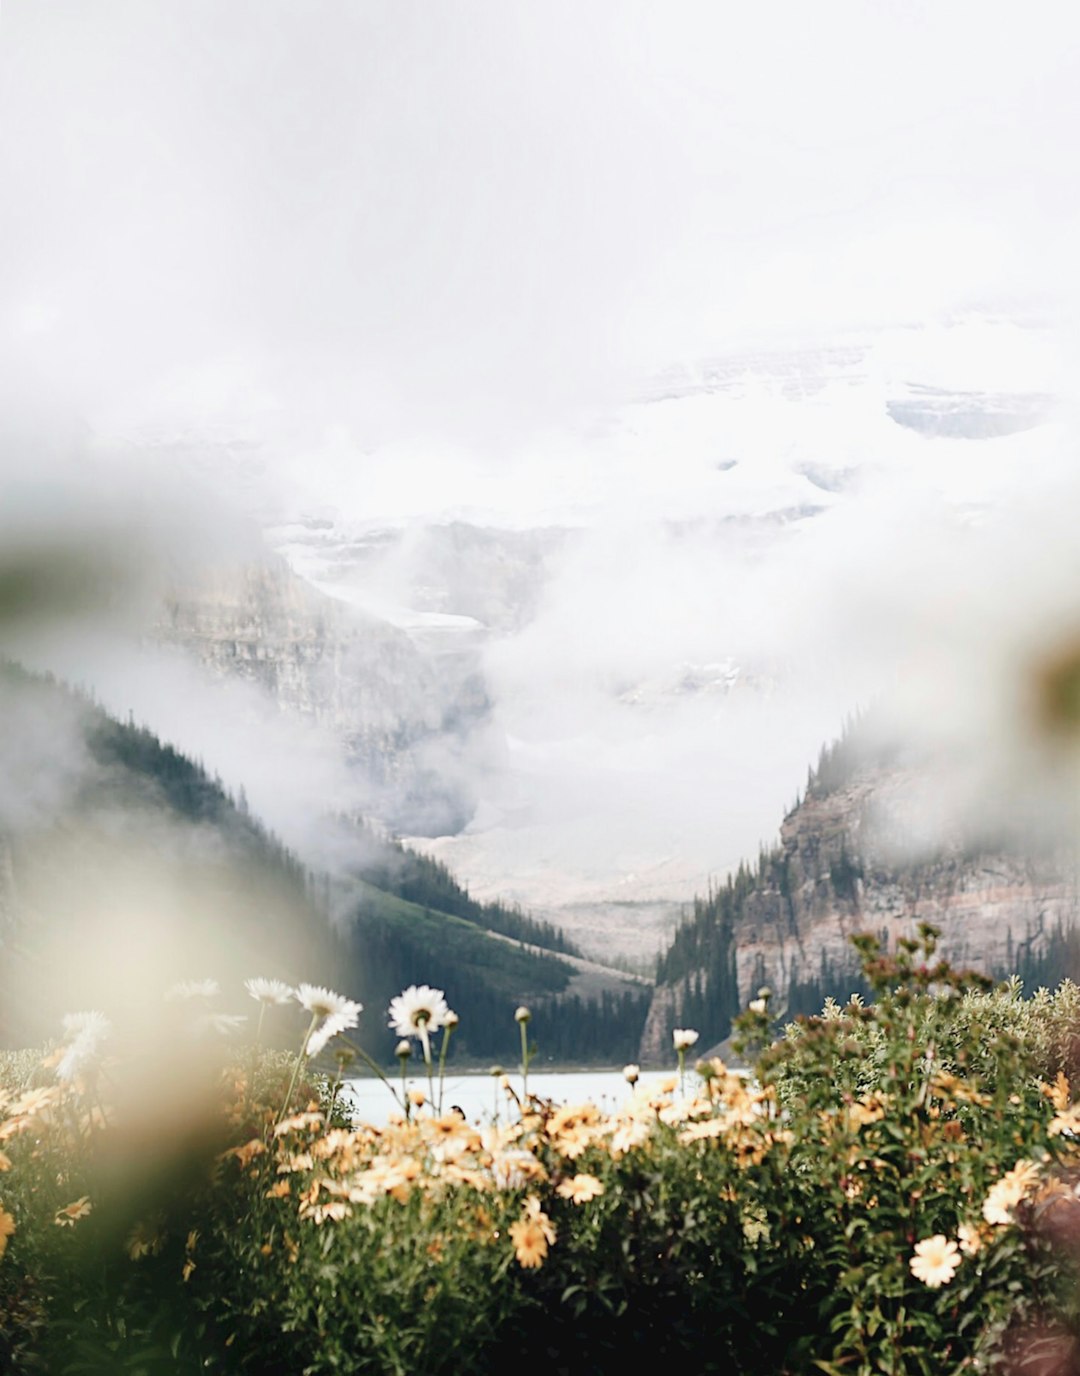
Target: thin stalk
{"points": [[426, 1044], [524, 1026], [296, 1068], [249, 1091], [447, 1029], [373, 1065]]}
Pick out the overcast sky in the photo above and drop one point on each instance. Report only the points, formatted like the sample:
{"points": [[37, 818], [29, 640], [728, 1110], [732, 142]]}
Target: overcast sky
{"points": [[464, 217], [405, 244]]}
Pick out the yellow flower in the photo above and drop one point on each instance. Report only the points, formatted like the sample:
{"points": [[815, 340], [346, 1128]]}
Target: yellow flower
{"points": [[278, 1190], [1007, 1192], [298, 1123], [863, 1111], [300, 1161], [627, 1136], [935, 1261], [7, 1227], [708, 1127], [1058, 1092], [535, 1214], [530, 1244], [144, 1240], [581, 1188], [1066, 1120], [67, 1216], [5, 1162]]}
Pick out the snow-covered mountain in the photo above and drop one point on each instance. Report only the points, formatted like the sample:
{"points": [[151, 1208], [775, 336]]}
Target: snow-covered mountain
{"points": [[622, 642]]}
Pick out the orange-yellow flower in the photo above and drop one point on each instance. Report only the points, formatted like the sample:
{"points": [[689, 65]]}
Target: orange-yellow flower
{"points": [[144, 1240], [530, 1244], [67, 1216], [581, 1188], [1007, 1192], [7, 1227]]}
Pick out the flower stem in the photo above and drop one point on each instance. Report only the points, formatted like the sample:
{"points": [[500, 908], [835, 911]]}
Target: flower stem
{"points": [[403, 1102], [299, 1062], [524, 1061], [425, 1042], [447, 1029]]}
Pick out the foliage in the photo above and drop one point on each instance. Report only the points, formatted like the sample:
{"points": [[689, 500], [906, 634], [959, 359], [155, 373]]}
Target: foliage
{"points": [[391, 907], [892, 1191]]}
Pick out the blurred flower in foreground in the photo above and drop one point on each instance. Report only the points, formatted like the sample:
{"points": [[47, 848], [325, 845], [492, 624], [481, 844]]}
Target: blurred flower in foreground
{"points": [[270, 991], [580, 1189], [7, 1227], [88, 1032], [194, 989]]}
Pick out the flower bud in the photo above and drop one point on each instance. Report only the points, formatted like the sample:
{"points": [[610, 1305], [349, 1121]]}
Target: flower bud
{"points": [[631, 1074], [522, 1014], [451, 1019], [403, 1050]]}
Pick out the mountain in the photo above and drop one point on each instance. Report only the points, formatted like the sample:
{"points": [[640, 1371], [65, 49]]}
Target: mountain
{"points": [[124, 867], [842, 866], [543, 654], [334, 664]]}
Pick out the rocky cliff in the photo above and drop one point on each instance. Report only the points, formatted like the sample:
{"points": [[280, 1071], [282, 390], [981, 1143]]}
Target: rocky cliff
{"points": [[401, 714], [838, 870]]}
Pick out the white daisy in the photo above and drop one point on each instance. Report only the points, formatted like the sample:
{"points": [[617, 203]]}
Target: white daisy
{"points": [[418, 1011], [195, 989], [269, 991], [935, 1261], [324, 1003], [328, 1029], [224, 1024], [88, 1032], [684, 1038]]}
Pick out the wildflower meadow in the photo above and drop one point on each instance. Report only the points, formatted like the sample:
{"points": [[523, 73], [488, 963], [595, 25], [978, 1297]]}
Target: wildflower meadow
{"points": [[892, 1187]]}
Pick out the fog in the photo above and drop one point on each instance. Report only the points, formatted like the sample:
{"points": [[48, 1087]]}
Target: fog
{"points": [[408, 265]]}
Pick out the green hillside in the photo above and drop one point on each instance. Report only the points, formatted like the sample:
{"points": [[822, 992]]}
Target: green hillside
{"points": [[136, 854]]}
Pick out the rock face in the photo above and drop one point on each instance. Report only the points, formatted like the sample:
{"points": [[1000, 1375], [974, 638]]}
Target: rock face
{"points": [[400, 713], [837, 872]]}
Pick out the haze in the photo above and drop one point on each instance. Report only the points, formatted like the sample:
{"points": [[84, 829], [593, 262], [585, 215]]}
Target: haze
{"points": [[404, 264]]}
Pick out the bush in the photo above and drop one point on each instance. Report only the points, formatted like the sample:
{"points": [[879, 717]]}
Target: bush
{"points": [[891, 1191]]}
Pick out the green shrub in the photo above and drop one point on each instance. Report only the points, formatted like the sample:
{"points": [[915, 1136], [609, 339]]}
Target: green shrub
{"points": [[892, 1191]]}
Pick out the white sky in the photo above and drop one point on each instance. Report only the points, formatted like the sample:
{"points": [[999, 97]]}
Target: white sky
{"points": [[466, 216]]}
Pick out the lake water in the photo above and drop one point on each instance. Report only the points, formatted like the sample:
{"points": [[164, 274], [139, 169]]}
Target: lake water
{"points": [[478, 1094]]}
